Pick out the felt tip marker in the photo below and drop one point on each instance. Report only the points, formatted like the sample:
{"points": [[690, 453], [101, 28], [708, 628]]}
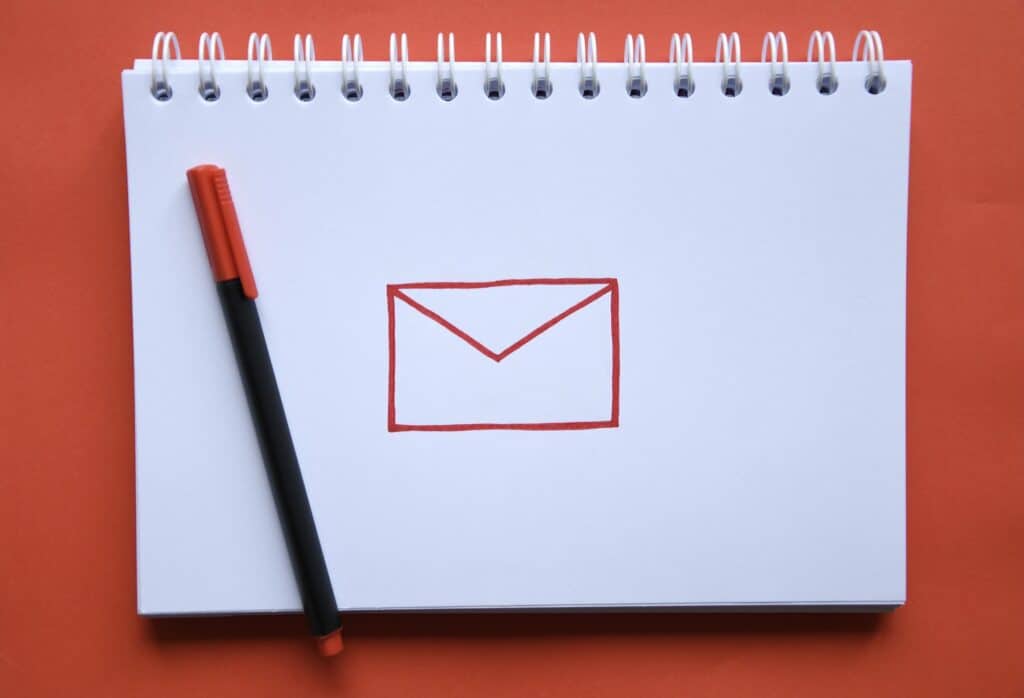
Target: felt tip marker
{"points": [[236, 287]]}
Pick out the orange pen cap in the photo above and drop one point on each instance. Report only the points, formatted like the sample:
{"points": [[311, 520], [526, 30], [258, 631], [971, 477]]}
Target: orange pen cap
{"points": [[219, 223]]}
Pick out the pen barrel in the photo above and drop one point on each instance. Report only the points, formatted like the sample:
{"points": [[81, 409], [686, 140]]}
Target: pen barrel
{"points": [[279, 456]]}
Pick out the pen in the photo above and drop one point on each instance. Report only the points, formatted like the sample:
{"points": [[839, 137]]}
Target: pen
{"points": [[237, 289]]}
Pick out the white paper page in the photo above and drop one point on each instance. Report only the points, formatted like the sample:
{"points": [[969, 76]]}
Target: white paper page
{"points": [[758, 245]]}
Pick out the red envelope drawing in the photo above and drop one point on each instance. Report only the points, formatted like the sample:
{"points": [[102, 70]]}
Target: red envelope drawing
{"points": [[524, 354]]}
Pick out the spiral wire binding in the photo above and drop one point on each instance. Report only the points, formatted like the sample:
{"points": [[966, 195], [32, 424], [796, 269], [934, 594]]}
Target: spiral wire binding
{"points": [[398, 85], [305, 56], [776, 46], [208, 87], [827, 82], [873, 55], [446, 87], [541, 85], [727, 52], [636, 66], [160, 86], [678, 51], [494, 85], [259, 52], [586, 57], [351, 57], [821, 49]]}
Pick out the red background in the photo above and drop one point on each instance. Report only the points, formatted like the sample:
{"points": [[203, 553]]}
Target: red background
{"points": [[67, 553]]}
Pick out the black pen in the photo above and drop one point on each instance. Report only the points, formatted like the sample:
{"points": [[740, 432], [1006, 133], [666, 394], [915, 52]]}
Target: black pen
{"points": [[237, 289]]}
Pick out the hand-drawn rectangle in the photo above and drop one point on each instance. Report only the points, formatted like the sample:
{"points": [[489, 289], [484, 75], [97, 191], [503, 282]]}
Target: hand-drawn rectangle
{"points": [[448, 372]]}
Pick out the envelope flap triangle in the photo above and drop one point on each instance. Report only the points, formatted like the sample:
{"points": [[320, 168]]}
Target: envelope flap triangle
{"points": [[498, 316]]}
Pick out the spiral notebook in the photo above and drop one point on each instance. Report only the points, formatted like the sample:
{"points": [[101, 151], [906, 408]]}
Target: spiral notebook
{"points": [[548, 335]]}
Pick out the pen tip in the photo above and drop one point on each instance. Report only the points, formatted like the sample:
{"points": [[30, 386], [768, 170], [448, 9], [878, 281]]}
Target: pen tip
{"points": [[330, 644]]}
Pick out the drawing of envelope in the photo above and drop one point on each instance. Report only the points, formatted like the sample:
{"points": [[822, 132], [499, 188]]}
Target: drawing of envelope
{"points": [[525, 354]]}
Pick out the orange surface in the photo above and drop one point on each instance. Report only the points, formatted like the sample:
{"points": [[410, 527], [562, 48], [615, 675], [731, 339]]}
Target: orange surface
{"points": [[67, 554]]}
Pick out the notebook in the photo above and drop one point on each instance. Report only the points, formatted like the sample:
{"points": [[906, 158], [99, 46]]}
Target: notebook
{"points": [[548, 335]]}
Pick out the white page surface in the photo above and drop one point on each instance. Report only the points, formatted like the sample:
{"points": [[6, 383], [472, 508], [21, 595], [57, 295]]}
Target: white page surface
{"points": [[758, 247]]}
